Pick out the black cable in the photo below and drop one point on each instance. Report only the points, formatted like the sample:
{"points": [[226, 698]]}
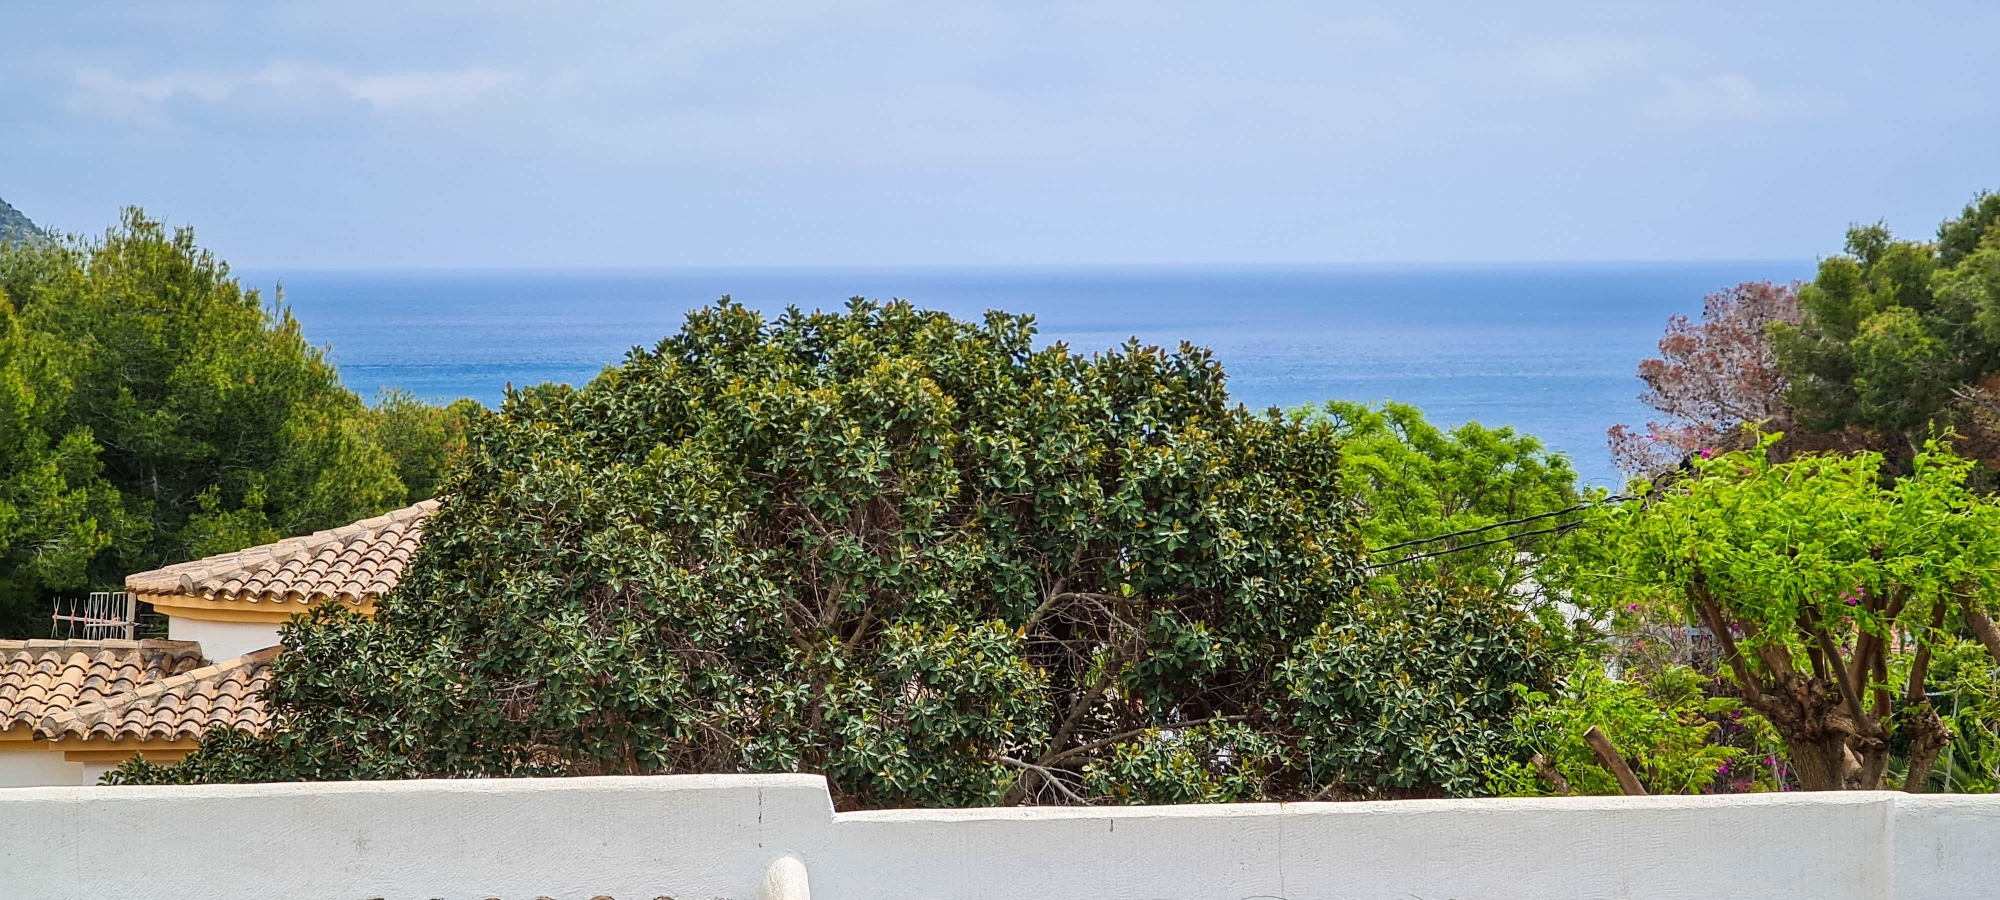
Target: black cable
{"points": [[1617, 498], [1566, 526]]}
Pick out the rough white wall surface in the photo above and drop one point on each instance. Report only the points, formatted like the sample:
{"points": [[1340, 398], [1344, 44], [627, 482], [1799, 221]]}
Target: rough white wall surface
{"points": [[704, 837]]}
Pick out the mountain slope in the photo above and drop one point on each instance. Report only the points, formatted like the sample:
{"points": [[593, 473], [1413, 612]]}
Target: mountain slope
{"points": [[14, 225]]}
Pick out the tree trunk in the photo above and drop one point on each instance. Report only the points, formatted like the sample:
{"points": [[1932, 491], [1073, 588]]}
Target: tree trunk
{"points": [[1834, 743], [1812, 717], [1982, 627], [1820, 765], [1928, 737]]}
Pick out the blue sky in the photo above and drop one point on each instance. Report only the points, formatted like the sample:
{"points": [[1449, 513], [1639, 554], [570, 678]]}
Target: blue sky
{"points": [[366, 133]]}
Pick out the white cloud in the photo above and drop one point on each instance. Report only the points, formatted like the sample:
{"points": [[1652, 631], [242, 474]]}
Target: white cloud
{"points": [[140, 99], [1128, 13], [1363, 31], [1714, 97], [1581, 65], [420, 88]]}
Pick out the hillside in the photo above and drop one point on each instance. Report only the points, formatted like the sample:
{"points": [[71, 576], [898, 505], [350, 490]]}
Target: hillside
{"points": [[13, 224]]}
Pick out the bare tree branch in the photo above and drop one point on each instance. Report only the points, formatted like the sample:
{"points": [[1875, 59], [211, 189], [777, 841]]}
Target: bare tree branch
{"points": [[1608, 756]]}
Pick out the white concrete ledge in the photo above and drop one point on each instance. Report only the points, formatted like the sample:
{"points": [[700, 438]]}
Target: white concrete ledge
{"points": [[742, 837]]}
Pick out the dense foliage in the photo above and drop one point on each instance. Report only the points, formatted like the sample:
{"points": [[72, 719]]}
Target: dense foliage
{"points": [[911, 553], [1665, 722], [1898, 337], [153, 411], [1419, 691]]}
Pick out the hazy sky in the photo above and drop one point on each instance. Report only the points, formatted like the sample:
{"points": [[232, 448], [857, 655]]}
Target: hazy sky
{"points": [[489, 133]]}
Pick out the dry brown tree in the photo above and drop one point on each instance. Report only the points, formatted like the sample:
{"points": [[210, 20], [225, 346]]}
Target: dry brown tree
{"points": [[1710, 379]]}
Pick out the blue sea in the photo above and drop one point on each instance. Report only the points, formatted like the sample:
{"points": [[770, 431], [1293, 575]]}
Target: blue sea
{"points": [[1547, 349]]}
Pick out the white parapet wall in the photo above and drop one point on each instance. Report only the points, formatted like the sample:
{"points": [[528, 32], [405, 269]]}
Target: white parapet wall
{"points": [[743, 837]]}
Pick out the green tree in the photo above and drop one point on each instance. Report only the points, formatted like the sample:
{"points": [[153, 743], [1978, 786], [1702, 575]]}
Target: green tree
{"points": [[915, 554], [57, 512], [1814, 578], [1898, 336], [1415, 480], [422, 438], [156, 412]]}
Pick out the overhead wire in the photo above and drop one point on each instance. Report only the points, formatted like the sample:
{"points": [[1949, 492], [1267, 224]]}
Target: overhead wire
{"points": [[1615, 498], [1566, 526]]}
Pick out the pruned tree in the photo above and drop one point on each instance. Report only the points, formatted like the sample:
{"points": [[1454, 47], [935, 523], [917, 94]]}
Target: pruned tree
{"points": [[1812, 575]]}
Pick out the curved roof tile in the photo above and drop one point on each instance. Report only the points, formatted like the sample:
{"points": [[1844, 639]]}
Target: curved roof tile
{"points": [[357, 563], [43, 678], [187, 705]]}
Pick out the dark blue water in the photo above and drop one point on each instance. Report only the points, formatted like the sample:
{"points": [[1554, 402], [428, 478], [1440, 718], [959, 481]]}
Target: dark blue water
{"points": [[1547, 349]]}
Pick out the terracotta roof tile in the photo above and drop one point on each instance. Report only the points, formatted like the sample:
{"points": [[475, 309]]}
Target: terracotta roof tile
{"points": [[357, 563], [42, 678], [187, 705]]}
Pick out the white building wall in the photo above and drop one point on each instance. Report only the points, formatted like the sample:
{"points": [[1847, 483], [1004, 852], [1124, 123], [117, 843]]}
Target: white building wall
{"points": [[718, 836], [39, 768], [223, 640]]}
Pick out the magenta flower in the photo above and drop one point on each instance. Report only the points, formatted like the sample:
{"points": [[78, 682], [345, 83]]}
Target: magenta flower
{"points": [[1707, 453]]}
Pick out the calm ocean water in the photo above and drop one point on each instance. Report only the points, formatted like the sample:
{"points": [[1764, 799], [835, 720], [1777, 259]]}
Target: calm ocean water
{"points": [[1547, 349]]}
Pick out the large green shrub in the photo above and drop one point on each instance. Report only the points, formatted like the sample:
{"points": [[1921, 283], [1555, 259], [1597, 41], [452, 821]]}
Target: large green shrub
{"points": [[911, 553], [1413, 693]]}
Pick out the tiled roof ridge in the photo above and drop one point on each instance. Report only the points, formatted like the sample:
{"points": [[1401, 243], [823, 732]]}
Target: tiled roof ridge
{"points": [[261, 572], [95, 719], [79, 645]]}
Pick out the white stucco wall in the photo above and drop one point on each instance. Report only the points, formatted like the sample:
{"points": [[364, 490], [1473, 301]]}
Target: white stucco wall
{"points": [[36, 768], [1947, 846], [223, 640], [700, 837]]}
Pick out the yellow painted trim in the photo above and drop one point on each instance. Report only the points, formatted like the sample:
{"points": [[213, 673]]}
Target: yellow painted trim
{"points": [[98, 749], [187, 606], [100, 742], [22, 731], [156, 754]]}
